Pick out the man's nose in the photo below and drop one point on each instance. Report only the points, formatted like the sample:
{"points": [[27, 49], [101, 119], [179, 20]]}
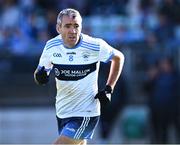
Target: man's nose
{"points": [[73, 30]]}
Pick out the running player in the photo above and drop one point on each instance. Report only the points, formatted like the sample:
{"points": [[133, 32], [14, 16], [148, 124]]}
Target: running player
{"points": [[75, 59]]}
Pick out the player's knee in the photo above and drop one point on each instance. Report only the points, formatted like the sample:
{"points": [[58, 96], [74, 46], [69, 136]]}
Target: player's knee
{"points": [[67, 140], [84, 142]]}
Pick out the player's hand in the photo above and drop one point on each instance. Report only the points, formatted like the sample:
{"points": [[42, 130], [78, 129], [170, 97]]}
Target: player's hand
{"points": [[41, 76], [104, 96]]}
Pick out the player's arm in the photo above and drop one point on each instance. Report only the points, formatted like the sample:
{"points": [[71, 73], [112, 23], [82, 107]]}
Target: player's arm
{"points": [[117, 63], [41, 74]]}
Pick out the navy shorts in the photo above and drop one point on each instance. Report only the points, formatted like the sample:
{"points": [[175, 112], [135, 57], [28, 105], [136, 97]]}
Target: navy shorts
{"points": [[77, 127]]}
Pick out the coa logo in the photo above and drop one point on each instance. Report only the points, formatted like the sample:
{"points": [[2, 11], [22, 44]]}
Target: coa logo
{"points": [[57, 55]]}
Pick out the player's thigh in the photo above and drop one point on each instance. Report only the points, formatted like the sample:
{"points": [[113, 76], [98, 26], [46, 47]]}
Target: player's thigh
{"points": [[66, 140]]}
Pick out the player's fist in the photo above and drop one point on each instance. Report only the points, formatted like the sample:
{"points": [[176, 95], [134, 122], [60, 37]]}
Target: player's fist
{"points": [[40, 76], [104, 96]]}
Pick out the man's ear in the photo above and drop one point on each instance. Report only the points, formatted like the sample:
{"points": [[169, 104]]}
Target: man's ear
{"points": [[58, 28]]}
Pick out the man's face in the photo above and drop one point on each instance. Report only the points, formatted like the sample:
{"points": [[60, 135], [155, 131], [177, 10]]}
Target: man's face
{"points": [[70, 30]]}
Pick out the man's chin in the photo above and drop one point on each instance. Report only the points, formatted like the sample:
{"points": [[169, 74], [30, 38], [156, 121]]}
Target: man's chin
{"points": [[73, 42]]}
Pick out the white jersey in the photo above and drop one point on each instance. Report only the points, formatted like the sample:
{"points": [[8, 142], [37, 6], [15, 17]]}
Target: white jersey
{"points": [[76, 71]]}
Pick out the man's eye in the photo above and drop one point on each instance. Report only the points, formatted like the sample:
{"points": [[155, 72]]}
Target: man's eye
{"points": [[67, 26], [76, 26]]}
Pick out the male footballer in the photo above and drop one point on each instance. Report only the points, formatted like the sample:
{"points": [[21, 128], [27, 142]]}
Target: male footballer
{"points": [[75, 58]]}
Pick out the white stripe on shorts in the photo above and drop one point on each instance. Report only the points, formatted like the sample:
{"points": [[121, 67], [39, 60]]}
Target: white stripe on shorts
{"points": [[82, 127]]}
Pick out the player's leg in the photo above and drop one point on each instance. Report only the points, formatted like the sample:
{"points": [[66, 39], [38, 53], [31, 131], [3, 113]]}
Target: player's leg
{"points": [[66, 140], [76, 130], [84, 142]]}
